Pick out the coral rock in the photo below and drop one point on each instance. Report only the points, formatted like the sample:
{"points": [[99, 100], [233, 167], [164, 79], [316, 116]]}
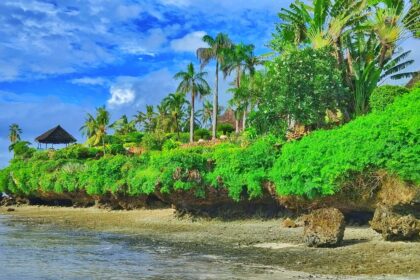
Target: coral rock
{"points": [[324, 228], [394, 226]]}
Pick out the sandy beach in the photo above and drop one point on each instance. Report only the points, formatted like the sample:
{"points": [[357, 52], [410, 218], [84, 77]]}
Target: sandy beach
{"points": [[264, 243]]}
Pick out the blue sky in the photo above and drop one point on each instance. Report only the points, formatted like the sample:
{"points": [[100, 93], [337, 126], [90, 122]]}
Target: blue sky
{"points": [[59, 59]]}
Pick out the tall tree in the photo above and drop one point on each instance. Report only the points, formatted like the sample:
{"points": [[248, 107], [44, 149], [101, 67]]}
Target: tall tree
{"points": [[194, 83], [206, 113], [217, 50], [95, 127], [146, 120], [14, 133], [176, 103], [123, 126], [373, 26]]}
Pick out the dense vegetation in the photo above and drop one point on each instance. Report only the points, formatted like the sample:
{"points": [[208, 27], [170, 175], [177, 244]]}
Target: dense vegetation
{"points": [[314, 165], [321, 80]]}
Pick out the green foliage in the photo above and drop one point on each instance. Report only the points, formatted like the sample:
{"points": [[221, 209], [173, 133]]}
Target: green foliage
{"points": [[170, 144], [389, 139], [115, 149], [243, 170], [301, 85], [225, 128], [154, 141], [202, 133], [76, 151], [385, 95], [21, 149]]}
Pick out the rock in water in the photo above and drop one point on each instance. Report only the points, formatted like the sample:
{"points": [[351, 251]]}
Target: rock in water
{"points": [[324, 228], [394, 226]]}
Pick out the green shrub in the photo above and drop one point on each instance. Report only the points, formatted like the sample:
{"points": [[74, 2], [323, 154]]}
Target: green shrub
{"points": [[385, 95], [389, 139], [154, 141], [202, 133], [115, 149], [21, 149], [76, 151], [132, 137], [225, 128], [170, 145]]}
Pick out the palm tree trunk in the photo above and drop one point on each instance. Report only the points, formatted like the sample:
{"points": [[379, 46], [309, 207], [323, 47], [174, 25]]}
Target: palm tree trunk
{"points": [[103, 143], [192, 118], [215, 102], [244, 120], [236, 126], [177, 128]]}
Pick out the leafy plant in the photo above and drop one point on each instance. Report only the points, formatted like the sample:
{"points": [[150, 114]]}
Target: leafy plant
{"points": [[385, 95]]}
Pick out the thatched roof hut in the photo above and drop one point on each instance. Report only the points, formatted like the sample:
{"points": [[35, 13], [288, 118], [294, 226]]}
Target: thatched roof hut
{"points": [[56, 135]]}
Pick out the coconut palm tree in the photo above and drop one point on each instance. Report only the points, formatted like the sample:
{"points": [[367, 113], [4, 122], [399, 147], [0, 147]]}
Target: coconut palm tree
{"points": [[216, 50], [123, 126], [176, 103], [194, 83], [206, 113], [14, 133], [95, 127], [146, 120]]}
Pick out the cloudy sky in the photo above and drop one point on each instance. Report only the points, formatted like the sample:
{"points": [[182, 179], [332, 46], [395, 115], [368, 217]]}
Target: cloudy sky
{"points": [[59, 59]]}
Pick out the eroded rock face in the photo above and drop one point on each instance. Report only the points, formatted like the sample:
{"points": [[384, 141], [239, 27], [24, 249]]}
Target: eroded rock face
{"points": [[394, 226], [324, 228]]}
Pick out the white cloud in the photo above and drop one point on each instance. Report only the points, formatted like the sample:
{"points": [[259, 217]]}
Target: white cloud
{"points": [[189, 43], [91, 81], [121, 96]]}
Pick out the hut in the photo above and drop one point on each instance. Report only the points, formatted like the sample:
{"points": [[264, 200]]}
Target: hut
{"points": [[56, 135]]}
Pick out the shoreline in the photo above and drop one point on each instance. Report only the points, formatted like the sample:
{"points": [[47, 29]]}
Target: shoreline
{"points": [[252, 241]]}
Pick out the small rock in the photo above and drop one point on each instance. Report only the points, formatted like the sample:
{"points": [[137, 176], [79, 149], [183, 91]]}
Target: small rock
{"points": [[393, 226], [10, 209], [223, 137], [324, 228], [201, 141], [289, 223]]}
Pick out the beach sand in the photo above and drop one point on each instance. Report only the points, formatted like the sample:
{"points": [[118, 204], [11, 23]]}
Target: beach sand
{"points": [[264, 243]]}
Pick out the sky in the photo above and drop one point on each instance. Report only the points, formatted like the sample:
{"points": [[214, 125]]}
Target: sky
{"points": [[60, 59]]}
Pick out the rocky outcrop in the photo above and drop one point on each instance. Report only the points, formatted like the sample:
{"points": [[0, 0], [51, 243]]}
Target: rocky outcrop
{"points": [[215, 202], [324, 228], [358, 198], [394, 226]]}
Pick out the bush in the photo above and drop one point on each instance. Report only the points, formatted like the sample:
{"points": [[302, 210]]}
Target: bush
{"points": [[202, 133], [385, 95], [132, 137], [115, 149], [21, 149], [154, 141], [320, 162], [225, 128], [76, 151], [170, 145]]}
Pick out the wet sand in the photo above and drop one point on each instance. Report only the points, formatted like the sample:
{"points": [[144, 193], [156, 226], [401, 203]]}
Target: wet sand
{"points": [[259, 243]]}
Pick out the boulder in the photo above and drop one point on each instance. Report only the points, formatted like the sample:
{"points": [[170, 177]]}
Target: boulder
{"points": [[394, 226], [223, 137], [324, 228], [289, 223]]}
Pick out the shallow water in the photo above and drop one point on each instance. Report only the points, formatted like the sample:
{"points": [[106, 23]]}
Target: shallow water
{"points": [[30, 250]]}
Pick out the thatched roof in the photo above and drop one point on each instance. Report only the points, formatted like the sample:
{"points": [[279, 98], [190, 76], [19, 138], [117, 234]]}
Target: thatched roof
{"points": [[56, 135], [228, 117]]}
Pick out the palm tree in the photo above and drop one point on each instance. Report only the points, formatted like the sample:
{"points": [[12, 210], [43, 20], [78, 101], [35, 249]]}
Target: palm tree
{"points": [[194, 83], [14, 133], [206, 113], [95, 127], [176, 103], [147, 120], [363, 37], [123, 126], [216, 50]]}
